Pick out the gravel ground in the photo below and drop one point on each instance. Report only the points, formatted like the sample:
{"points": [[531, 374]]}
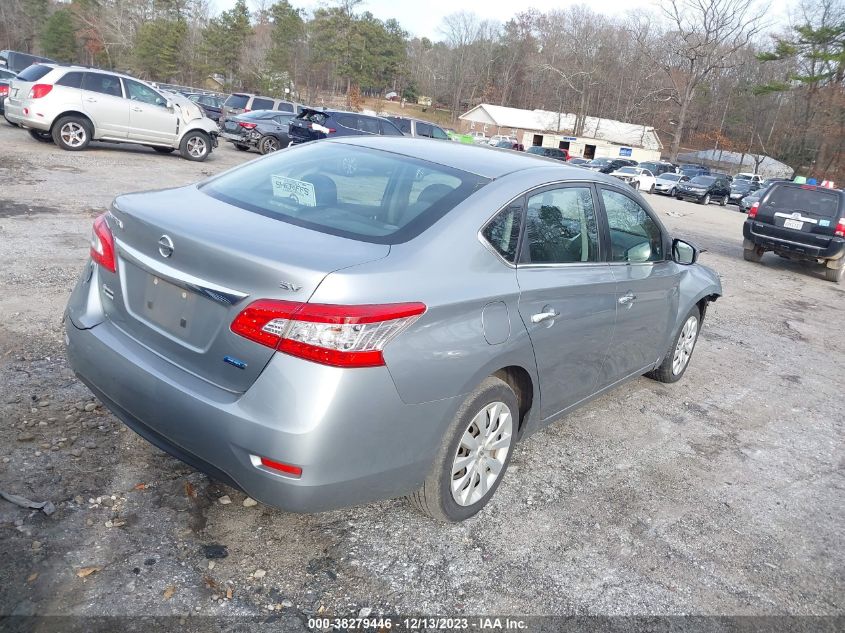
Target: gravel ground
{"points": [[721, 494]]}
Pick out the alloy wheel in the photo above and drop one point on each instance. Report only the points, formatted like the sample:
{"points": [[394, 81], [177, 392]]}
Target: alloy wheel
{"points": [[685, 345], [481, 454], [73, 134], [196, 146]]}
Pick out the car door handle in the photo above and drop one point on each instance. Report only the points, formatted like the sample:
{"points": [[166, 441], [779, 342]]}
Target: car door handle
{"points": [[548, 313], [627, 298], [91, 99], [137, 109]]}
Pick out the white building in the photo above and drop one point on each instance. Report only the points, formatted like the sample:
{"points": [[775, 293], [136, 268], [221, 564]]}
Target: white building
{"points": [[601, 137]]}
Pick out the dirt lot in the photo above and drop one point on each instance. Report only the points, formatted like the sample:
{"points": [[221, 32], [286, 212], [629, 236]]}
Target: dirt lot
{"points": [[722, 494]]}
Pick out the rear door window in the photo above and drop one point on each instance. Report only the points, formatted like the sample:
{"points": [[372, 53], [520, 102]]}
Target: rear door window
{"points": [[810, 200], [502, 232], [262, 104], [560, 227], [70, 80], [403, 124], [388, 129], [424, 129], [104, 84], [367, 124], [436, 132], [236, 102], [34, 72]]}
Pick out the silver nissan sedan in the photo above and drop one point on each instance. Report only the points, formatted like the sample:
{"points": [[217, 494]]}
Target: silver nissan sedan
{"points": [[363, 318]]}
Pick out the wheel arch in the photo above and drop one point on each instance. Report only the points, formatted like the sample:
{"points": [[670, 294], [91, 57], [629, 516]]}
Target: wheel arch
{"points": [[519, 379], [77, 113]]}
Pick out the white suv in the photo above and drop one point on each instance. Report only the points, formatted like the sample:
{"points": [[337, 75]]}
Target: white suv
{"points": [[73, 105]]}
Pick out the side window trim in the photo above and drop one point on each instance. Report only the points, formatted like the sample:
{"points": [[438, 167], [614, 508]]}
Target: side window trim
{"points": [[604, 226], [524, 258]]}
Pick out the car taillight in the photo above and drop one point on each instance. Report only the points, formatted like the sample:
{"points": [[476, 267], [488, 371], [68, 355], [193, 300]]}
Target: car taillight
{"points": [[336, 335], [840, 228], [102, 244], [4, 90], [248, 126], [40, 90], [752, 212]]}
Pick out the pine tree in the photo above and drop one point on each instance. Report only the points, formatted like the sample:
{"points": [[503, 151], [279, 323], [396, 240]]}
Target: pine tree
{"points": [[58, 39]]}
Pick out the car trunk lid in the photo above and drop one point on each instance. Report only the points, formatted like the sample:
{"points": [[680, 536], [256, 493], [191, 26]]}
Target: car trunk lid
{"points": [[302, 127], [187, 264]]}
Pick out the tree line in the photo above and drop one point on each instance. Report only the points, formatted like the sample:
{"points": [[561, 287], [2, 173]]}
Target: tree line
{"points": [[705, 73]]}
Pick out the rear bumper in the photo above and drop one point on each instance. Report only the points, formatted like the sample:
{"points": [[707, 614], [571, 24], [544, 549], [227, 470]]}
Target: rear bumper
{"points": [[792, 242], [14, 111], [349, 431]]}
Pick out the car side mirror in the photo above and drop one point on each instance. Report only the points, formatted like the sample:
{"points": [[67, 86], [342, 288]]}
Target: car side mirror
{"points": [[683, 252]]}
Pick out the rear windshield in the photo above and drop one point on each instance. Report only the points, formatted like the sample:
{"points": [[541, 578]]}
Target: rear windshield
{"points": [[34, 72], [354, 192], [236, 101], [629, 170], [806, 198], [703, 180]]}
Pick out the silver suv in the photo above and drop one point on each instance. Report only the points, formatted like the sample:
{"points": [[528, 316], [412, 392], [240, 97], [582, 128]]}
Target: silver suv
{"points": [[74, 105]]}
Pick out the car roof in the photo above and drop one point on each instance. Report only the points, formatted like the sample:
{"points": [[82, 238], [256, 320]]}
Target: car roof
{"points": [[485, 161]]}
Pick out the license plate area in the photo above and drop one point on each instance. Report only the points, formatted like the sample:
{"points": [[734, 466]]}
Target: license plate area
{"points": [[793, 224], [170, 307]]}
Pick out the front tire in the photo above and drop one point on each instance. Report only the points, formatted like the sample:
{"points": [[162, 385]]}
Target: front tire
{"points": [[723, 202], [41, 135], [672, 192], [651, 189], [706, 199], [72, 133], [677, 357], [195, 145], [476, 451]]}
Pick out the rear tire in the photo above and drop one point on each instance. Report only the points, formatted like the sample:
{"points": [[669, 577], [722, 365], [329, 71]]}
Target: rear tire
{"points": [[834, 274], [195, 146], [466, 470], [677, 357], [72, 133], [41, 135], [269, 144], [752, 255]]}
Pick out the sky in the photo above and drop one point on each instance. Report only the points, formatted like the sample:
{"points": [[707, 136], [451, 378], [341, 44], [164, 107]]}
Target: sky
{"points": [[423, 17]]}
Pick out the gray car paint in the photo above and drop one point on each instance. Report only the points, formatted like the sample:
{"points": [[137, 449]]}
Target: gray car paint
{"points": [[363, 434]]}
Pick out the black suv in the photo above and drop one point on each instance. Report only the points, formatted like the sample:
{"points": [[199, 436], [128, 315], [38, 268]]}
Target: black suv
{"points": [[704, 189], [312, 125], [802, 222]]}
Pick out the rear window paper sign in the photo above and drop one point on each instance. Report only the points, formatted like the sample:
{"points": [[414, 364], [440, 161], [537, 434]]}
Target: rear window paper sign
{"points": [[299, 191]]}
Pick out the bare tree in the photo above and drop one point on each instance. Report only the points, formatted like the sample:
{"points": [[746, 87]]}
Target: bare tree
{"points": [[703, 36]]}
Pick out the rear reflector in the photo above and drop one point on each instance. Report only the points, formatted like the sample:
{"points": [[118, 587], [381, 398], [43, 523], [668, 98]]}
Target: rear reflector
{"points": [[282, 467], [40, 90], [340, 336], [102, 244]]}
